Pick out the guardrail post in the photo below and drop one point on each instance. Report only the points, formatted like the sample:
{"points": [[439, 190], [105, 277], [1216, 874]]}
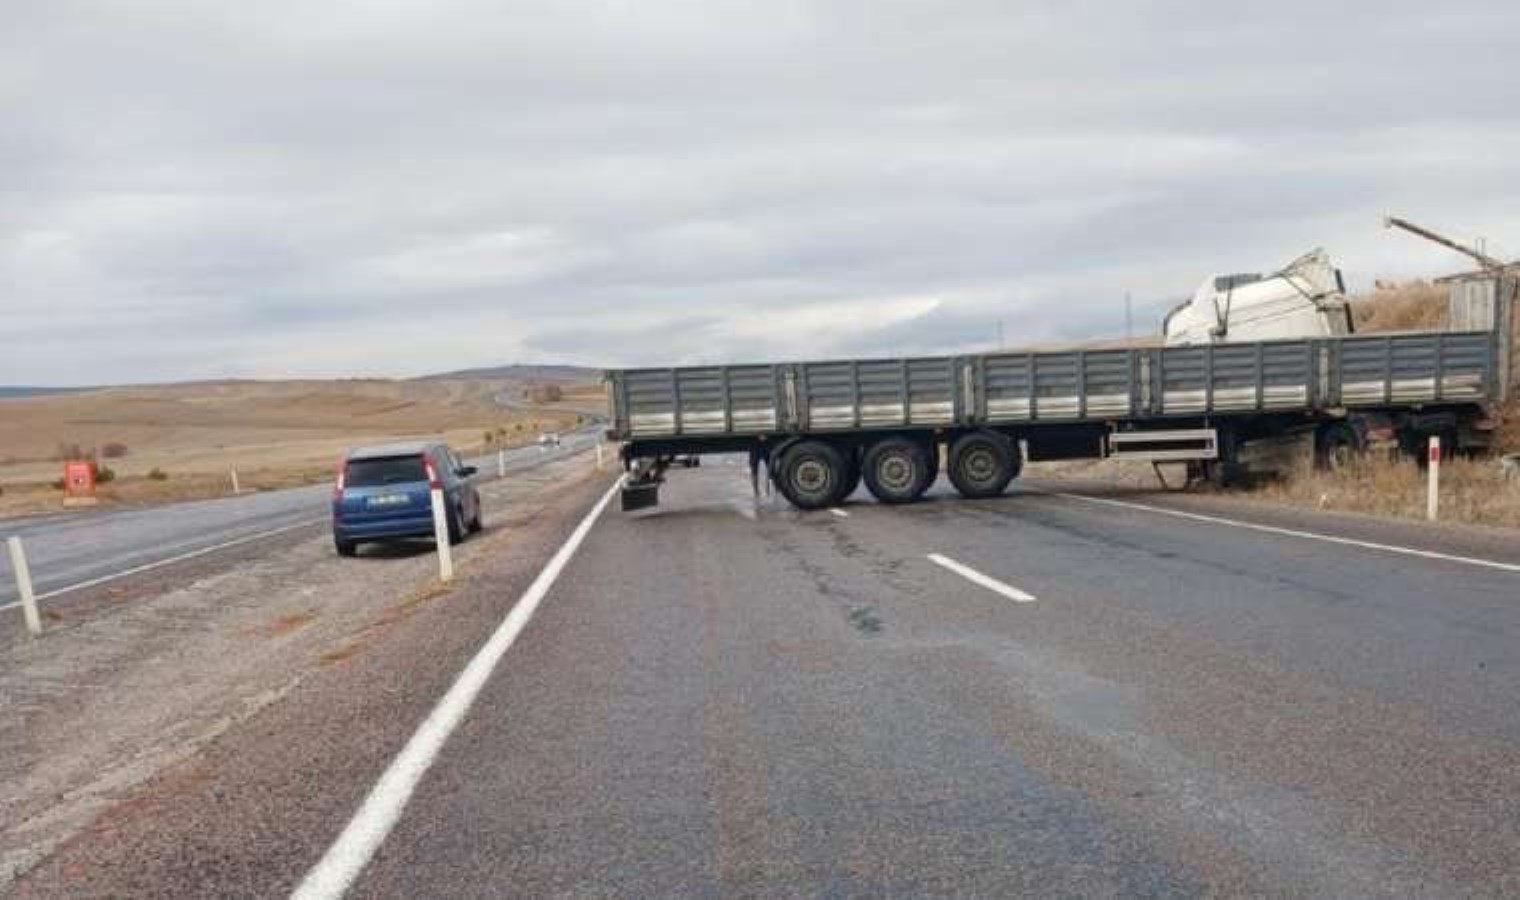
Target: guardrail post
{"points": [[1433, 491], [441, 535], [24, 586]]}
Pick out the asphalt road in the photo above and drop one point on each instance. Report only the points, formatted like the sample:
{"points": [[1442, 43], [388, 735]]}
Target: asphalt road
{"points": [[1076, 698], [77, 548]]}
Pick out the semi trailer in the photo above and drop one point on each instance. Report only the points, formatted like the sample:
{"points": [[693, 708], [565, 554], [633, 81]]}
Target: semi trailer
{"points": [[818, 429]]}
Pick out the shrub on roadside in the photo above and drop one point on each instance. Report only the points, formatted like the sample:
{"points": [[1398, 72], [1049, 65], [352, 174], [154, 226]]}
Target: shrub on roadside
{"points": [[157, 474], [113, 450], [71, 450], [104, 474]]}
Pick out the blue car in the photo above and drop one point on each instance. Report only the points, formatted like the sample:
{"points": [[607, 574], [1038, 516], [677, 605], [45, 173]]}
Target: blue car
{"points": [[383, 493]]}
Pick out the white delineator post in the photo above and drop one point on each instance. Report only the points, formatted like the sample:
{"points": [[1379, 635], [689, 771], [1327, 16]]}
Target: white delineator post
{"points": [[1433, 494], [440, 524], [235, 488], [501, 463], [24, 586], [598, 453]]}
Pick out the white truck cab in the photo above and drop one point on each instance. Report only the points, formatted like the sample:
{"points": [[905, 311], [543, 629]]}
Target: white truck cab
{"points": [[1305, 299]]}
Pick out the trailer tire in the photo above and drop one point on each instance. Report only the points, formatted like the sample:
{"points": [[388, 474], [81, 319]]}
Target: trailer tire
{"points": [[982, 464], [1422, 449], [1337, 447], [899, 469], [812, 475]]}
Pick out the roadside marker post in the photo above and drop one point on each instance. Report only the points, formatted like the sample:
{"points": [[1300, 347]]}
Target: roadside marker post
{"points": [[24, 586], [441, 535], [1433, 491], [598, 453], [501, 464], [236, 489]]}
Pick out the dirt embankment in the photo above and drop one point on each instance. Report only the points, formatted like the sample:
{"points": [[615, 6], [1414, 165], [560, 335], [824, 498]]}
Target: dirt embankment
{"points": [[180, 442]]}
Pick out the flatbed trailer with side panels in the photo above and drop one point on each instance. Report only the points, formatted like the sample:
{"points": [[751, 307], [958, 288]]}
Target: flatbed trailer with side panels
{"points": [[819, 428]]}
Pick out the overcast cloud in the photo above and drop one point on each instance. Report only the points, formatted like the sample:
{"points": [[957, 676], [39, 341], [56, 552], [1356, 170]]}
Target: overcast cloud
{"points": [[201, 190]]}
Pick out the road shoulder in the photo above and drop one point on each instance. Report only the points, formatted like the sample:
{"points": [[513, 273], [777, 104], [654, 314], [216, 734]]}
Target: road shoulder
{"points": [[172, 706]]}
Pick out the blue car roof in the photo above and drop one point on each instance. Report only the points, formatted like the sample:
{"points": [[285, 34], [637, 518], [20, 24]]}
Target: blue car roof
{"points": [[409, 448]]}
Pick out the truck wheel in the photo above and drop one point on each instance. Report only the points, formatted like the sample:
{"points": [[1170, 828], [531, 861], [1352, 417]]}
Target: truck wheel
{"points": [[899, 470], [982, 464], [1338, 447], [811, 475], [1422, 450], [345, 548]]}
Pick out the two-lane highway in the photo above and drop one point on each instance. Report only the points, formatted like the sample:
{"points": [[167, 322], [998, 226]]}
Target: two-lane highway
{"points": [[1066, 691], [725, 698], [68, 552]]}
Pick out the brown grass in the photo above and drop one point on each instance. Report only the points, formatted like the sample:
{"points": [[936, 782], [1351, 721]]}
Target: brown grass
{"points": [[1473, 491], [1406, 306]]}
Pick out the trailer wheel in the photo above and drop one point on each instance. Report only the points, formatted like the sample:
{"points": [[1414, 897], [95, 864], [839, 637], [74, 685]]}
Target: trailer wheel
{"points": [[811, 475], [1338, 447], [899, 470], [982, 463], [1421, 452]]}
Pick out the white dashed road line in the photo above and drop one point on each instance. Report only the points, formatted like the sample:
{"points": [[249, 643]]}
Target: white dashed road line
{"points": [[1288, 532], [975, 577], [839, 513]]}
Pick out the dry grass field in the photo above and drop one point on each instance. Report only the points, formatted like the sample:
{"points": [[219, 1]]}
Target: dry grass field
{"points": [[1406, 306], [276, 434], [1473, 491]]}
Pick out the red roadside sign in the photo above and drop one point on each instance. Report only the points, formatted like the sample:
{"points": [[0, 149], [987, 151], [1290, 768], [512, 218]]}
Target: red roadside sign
{"points": [[78, 482]]}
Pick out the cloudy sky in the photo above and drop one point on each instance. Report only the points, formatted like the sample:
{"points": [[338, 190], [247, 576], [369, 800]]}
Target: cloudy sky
{"points": [[201, 189]]}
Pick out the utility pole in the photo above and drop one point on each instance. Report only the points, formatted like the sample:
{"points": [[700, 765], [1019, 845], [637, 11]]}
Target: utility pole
{"points": [[1129, 318]]}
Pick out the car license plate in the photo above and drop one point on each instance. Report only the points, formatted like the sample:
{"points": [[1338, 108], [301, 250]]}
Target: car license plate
{"points": [[384, 500]]}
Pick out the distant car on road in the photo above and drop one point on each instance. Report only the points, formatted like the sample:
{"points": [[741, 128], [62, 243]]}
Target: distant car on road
{"points": [[383, 493], [548, 439]]}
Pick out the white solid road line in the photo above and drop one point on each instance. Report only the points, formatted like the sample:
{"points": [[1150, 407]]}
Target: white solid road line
{"points": [[840, 513], [382, 808], [159, 563], [972, 575], [1289, 532]]}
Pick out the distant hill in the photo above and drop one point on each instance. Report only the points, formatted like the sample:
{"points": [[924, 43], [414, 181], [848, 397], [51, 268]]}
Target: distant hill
{"points": [[23, 391], [518, 372]]}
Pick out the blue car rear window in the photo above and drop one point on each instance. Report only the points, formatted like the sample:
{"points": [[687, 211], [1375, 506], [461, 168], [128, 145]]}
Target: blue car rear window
{"points": [[385, 470]]}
